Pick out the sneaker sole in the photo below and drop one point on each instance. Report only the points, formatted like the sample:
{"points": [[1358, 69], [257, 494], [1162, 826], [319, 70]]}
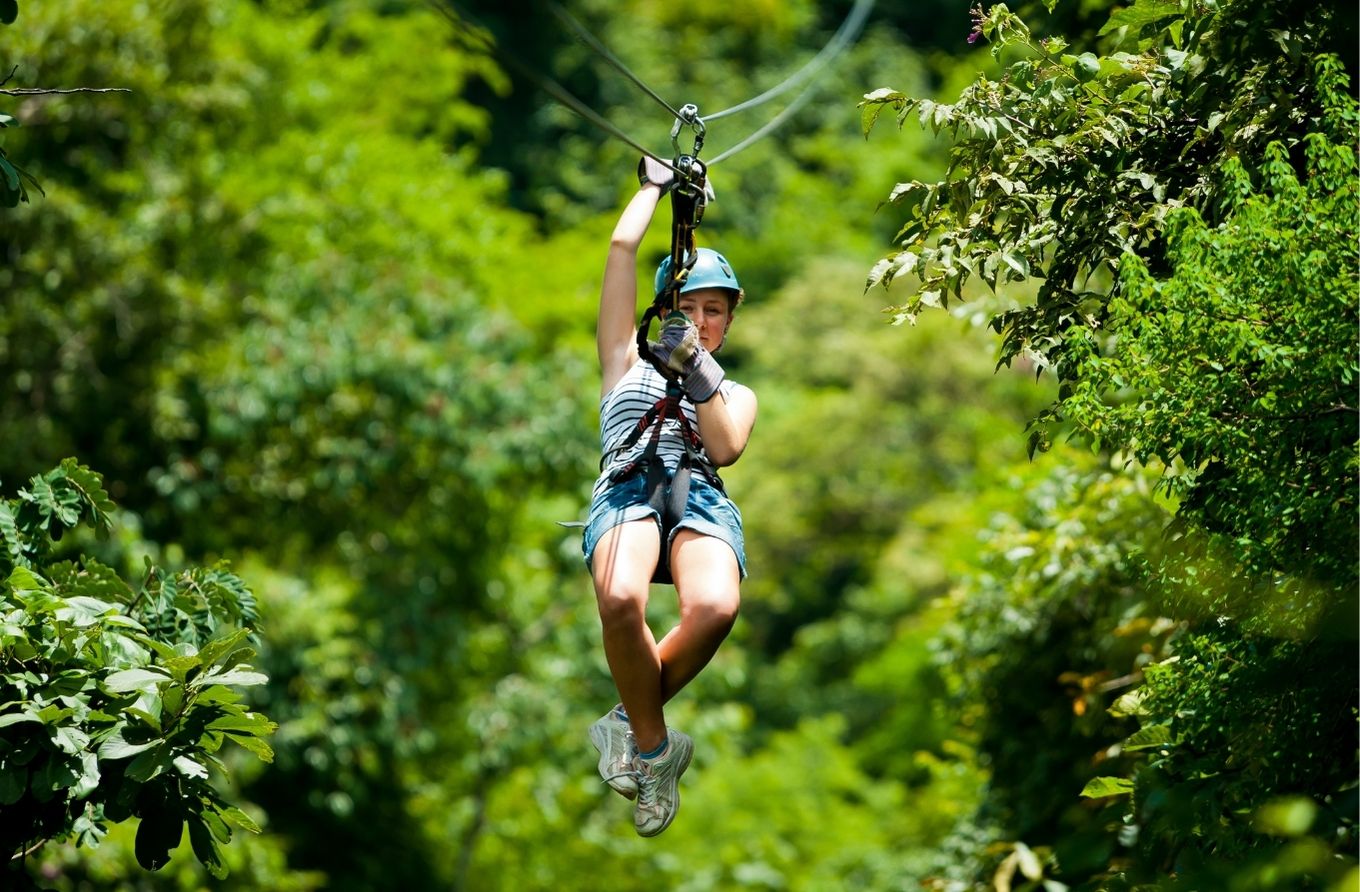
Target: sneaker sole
{"points": [[599, 738]]}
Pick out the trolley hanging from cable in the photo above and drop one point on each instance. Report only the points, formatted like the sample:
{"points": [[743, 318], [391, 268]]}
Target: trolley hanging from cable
{"points": [[689, 196]]}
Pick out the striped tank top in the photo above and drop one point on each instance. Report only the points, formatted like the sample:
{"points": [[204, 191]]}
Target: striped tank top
{"points": [[623, 407]]}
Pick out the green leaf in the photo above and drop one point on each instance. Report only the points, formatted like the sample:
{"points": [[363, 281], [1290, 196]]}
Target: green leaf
{"points": [[240, 819], [221, 830], [262, 750], [89, 778], [214, 650], [1130, 704], [161, 828], [13, 783], [1100, 787], [234, 677], [873, 104], [150, 764], [15, 718], [217, 694], [9, 534], [70, 740], [83, 611], [189, 768], [23, 581], [206, 849], [252, 723], [52, 776], [1144, 12], [10, 175], [1085, 67], [1149, 737], [135, 680], [90, 485], [115, 746]]}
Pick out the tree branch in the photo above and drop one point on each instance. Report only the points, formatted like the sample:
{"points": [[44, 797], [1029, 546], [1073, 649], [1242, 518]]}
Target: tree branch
{"points": [[20, 856], [42, 91]]}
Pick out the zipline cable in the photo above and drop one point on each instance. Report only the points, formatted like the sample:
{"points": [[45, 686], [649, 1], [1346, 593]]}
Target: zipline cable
{"points": [[770, 125], [594, 43], [844, 36], [460, 21]]}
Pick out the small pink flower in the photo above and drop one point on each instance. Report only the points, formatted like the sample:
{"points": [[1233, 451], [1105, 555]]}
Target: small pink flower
{"points": [[979, 17]]}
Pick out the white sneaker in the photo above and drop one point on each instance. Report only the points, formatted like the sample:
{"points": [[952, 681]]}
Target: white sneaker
{"points": [[658, 783], [613, 738]]}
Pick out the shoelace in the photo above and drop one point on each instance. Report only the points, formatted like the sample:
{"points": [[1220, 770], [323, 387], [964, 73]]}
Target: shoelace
{"points": [[632, 772], [647, 793]]}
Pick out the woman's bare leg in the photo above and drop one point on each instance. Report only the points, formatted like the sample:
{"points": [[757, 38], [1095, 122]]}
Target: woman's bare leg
{"points": [[622, 564], [708, 582]]}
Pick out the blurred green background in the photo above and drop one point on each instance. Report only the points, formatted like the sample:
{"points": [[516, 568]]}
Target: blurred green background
{"points": [[317, 296]]}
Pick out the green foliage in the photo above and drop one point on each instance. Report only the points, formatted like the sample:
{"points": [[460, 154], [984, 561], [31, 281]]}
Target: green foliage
{"points": [[1259, 313], [116, 702], [1046, 637], [1214, 797], [1187, 199], [14, 180], [1070, 161]]}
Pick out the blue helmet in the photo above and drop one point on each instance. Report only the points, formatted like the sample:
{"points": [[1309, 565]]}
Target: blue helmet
{"points": [[710, 270]]}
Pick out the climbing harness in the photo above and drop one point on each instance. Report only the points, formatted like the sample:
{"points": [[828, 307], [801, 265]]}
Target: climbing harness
{"points": [[667, 493]]}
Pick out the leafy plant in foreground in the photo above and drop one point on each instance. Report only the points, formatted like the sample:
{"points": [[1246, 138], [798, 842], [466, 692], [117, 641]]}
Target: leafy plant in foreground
{"points": [[115, 701]]}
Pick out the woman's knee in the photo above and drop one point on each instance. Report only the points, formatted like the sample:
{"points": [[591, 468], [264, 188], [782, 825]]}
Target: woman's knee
{"points": [[711, 611], [621, 603]]}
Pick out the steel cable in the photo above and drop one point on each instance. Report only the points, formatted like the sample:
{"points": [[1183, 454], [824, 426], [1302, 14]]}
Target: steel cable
{"points": [[843, 37], [460, 21], [591, 41]]}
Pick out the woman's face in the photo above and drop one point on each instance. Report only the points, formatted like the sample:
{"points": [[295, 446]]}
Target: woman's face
{"points": [[711, 312]]}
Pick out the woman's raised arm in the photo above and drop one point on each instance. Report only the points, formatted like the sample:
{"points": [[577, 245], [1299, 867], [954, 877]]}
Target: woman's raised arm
{"points": [[616, 330]]}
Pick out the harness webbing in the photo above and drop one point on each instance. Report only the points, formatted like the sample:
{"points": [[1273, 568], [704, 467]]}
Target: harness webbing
{"points": [[667, 494], [686, 213]]}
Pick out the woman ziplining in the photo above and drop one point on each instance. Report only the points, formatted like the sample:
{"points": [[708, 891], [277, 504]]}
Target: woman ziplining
{"points": [[658, 509], [668, 420]]}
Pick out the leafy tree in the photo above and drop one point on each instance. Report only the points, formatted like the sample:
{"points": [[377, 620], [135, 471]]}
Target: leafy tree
{"points": [[1188, 209], [117, 699], [1072, 160]]}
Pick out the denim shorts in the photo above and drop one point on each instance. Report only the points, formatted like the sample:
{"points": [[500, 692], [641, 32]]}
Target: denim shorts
{"points": [[708, 511]]}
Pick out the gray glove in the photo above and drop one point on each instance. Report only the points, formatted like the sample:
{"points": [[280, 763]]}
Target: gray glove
{"points": [[651, 171], [680, 351]]}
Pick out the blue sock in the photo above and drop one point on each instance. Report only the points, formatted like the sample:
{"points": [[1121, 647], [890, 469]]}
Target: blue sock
{"points": [[620, 713], [658, 752]]}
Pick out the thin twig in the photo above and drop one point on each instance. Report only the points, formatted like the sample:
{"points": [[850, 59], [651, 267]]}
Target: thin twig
{"points": [[10, 75], [20, 856], [41, 91]]}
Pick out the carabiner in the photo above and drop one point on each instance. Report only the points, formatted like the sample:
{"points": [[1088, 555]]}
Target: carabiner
{"points": [[689, 115]]}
